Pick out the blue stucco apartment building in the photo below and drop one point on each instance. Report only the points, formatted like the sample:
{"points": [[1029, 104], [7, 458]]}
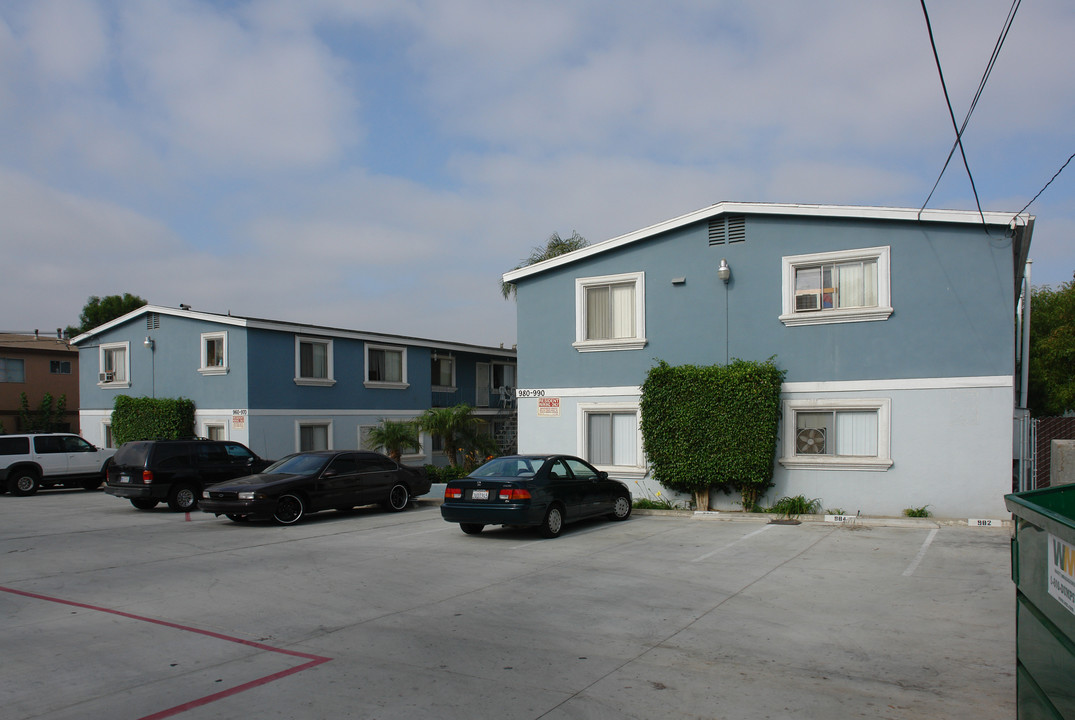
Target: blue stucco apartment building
{"points": [[897, 329], [279, 387]]}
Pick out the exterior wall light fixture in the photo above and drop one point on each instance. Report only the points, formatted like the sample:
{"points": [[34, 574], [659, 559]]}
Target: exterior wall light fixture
{"points": [[724, 272]]}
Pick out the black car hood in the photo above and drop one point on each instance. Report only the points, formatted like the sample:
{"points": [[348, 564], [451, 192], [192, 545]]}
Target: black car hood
{"points": [[253, 481]]}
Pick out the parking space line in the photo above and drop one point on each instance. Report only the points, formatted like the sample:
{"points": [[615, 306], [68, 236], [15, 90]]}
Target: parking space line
{"points": [[312, 660], [921, 554], [711, 553]]}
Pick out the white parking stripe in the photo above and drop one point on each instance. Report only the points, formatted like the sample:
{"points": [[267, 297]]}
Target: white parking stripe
{"points": [[921, 554], [710, 554]]}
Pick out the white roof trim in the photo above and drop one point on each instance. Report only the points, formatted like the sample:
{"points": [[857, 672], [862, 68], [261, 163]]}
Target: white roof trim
{"points": [[965, 217], [299, 328]]}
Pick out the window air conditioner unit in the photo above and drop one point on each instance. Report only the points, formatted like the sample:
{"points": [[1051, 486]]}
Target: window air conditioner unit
{"points": [[107, 376]]}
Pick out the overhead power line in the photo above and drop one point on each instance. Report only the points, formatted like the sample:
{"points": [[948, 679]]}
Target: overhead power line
{"points": [[974, 103], [1055, 175]]}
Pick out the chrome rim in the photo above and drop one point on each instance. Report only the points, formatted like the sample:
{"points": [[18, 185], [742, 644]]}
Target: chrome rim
{"points": [[288, 509], [622, 507], [25, 483], [555, 521], [185, 498], [398, 497]]}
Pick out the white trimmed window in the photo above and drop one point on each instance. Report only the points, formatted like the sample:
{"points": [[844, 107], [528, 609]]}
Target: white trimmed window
{"points": [[313, 435], [610, 312], [849, 434], [442, 373], [115, 366], [216, 431], [313, 361], [609, 437], [386, 367], [836, 287], [214, 352]]}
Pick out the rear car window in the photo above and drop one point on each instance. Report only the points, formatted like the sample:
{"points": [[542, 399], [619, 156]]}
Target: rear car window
{"points": [[14, 445], [48, 444], [132, 453]]}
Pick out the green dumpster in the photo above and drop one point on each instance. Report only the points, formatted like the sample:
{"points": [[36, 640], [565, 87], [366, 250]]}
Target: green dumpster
{"points": [[1043, 569]]}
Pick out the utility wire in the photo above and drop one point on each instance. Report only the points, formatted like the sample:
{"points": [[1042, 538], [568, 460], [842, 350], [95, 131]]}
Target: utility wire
{"points": [[1055, 175], [981, 86]]}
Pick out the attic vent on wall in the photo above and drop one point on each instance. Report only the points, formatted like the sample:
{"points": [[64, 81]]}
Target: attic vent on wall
{"points": [[153, 321], [727, 229]]}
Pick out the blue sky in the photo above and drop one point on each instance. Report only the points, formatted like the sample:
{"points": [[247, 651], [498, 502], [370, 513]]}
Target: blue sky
{"points": [[378, 166]]}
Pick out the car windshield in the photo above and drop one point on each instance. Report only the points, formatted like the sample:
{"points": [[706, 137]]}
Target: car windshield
{"points": [[299, 465], [506, 467]]}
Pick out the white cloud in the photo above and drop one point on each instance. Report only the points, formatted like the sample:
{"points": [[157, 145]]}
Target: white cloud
{"points": [[237, 97]]}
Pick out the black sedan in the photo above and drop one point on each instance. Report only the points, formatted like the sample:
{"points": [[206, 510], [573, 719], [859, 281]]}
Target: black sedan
{"points": [[542, 491], [307, 482]]}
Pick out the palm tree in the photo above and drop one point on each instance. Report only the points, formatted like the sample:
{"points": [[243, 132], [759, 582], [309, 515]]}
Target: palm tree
{"points": [[554, 247], [453, 425], [394, 437]]}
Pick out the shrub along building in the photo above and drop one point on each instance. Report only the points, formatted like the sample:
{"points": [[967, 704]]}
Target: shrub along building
{"points": [[896, 329], [280, 387]]}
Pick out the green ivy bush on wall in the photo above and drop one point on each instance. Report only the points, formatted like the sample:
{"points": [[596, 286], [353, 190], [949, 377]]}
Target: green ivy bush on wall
{"points": [[151, 418], [713, 426]]}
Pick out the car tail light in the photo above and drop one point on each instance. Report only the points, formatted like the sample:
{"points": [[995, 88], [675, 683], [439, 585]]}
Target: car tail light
{"points": [[453, 493], [147, 476], [514, 494]]}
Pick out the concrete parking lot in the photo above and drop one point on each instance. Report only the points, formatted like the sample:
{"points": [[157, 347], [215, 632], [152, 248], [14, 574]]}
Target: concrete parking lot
{"points": [[110, 612]]}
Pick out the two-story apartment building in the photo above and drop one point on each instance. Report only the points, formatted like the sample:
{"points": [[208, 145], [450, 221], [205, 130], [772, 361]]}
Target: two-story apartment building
{"points": [[896, 328], [279, 387], [37, 364]]}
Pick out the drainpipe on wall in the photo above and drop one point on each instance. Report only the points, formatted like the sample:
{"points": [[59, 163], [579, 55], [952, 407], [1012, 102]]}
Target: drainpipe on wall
{"points": [[1024, 380]]}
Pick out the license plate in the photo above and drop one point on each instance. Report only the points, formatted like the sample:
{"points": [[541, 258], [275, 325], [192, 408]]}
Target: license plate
{"points": [[479, 495], [124, 478]]}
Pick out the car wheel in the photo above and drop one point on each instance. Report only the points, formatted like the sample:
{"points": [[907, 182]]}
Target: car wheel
{"points": [[236, 518], [398, 498], [23, 483], [621, 508], [289, 510], [471, 528], [553, 524], [144, 503], [183, 498]]}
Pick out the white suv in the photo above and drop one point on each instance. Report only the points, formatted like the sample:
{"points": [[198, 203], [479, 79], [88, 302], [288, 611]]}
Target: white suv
{"points": [[30, 462]]}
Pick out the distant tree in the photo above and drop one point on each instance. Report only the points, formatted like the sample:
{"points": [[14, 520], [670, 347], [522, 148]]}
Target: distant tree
{"points": [[1052, 350], [553, 247], [460, 431], [50, 416], [100, 310], [394, 437]]}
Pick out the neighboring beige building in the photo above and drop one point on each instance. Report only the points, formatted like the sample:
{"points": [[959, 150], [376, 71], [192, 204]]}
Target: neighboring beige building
{"points": [[37, 364]]}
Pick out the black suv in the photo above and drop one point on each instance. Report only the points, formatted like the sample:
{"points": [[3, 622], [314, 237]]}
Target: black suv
{"points": [[147, 472]]}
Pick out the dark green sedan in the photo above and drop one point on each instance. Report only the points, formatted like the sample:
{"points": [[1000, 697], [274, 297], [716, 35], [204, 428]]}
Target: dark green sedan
{"points": [[541, 491]]}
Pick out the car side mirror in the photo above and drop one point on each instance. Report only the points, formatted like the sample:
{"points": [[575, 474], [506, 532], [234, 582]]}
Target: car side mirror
{"points": [[602, 475], [331, 472]]}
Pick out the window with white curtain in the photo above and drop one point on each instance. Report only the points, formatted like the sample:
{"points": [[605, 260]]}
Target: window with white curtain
{"points": [[843, 286], [314, 436], [386, 366], [313, 361], [609, 436], [848, 434], [610, 312], [114, 363]]}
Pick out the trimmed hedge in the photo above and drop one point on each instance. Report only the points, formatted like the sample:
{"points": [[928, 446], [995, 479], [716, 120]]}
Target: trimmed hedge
{"points": [[151, 419], [712, 426]]}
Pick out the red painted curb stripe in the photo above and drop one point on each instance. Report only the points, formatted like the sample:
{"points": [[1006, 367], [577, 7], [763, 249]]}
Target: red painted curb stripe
{"points": [[314, 660]]}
